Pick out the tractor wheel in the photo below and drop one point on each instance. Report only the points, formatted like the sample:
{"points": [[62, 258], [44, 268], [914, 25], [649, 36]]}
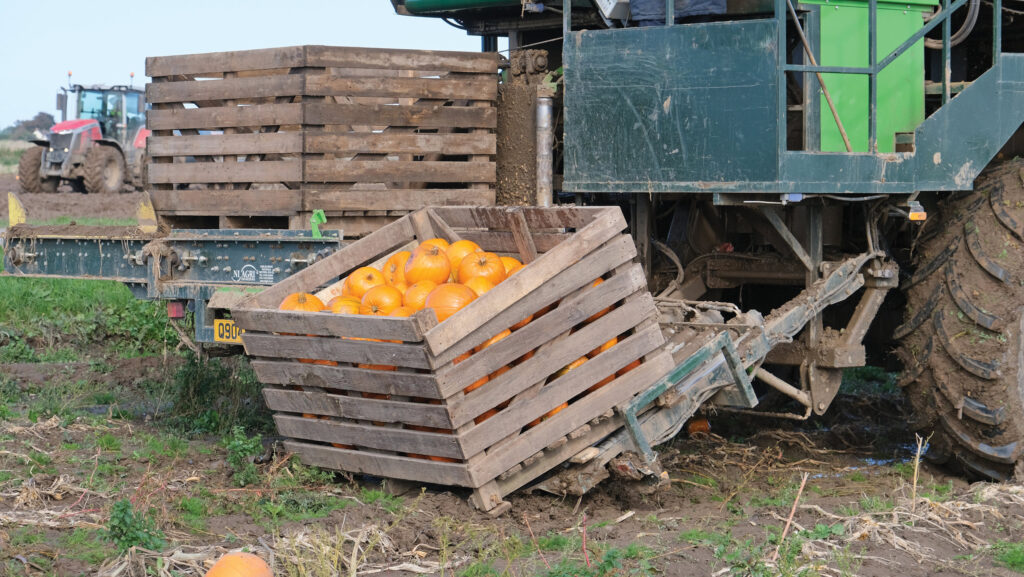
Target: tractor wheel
{"points": [[28, 172], [104, 170], [961, 340]]}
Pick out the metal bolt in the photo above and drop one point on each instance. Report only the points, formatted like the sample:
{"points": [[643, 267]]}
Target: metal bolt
{"points": [[821, 406]]}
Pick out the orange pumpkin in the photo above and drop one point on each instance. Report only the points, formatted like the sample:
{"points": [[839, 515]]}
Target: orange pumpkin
{"points": [[377, 367], [606, 380], [601, 312], [438, 242], [448, 299], [698, 425], [401, 286], [345, 306], [303, 302], [476, 385], [548, 414], [429, 262], [493, 340], [515, 269], [603, 347], [380, 301], [334, 300], [240, 565], [402, 312], [485, 264], [485, 416], [394, 268], [522, 323], [458, 250], [480, 285], [525, 357], [416, 295], [510, 263], [461, 358], [627, 368], [573, 365], [499, 372], [361, 280]]}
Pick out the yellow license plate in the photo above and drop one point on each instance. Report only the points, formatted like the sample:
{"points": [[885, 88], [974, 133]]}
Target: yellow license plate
{"points": [[226, 331]]}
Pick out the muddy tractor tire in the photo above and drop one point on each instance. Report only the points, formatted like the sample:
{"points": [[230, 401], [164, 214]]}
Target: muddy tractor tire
{"points": [[961, 340], [28, 172], [104, 170]]}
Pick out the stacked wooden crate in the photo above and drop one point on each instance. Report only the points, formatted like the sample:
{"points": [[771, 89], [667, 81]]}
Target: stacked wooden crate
{"points": [[424, 421], [267, 136]]}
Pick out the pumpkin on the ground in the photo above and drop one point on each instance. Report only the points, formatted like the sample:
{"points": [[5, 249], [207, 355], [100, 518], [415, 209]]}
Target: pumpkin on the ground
{"points": [[240, 564], [361, 280], [429, 262], [448, 299], [485, 264], [380, 301]]}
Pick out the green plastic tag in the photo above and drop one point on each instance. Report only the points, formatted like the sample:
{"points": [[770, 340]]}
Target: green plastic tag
{"points": [[316, 220]]}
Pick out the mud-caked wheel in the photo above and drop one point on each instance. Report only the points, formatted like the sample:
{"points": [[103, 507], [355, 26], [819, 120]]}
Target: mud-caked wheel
{"points": [[104, 170], [28, 172], [961, 340]]}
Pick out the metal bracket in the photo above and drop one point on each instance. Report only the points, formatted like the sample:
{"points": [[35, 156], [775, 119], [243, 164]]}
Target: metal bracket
{"points": [[721, 343]]}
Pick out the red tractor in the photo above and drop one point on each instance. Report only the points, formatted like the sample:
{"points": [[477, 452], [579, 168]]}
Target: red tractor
{"points": [[99, 150]]}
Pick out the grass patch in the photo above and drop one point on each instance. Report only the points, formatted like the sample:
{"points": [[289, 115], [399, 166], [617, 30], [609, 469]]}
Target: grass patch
{"points": [[215, 396], [1009, 555], [383, 499], [86, 545], [869, 381]]}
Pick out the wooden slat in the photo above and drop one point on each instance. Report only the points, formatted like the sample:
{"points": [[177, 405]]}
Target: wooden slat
{"points": [[408, 329], [225, 116], [503, 296], [226, 202], [570, 419], [582, 306], [318, 170], [566, 387], [397, 143], [346, 57], [522, 238], [379, 465], [547, 362], [400, 383], [505, 242], [419, 115], [208, 172], [451, 88], [329, 269], [226, 89], [387, 411], [391, 199], [376, 437], [219, 62], [335, 349], [220, 144], [536, 218]]}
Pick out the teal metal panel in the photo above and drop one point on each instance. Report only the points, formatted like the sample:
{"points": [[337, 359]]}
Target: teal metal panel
{"points": [[690, 103]]}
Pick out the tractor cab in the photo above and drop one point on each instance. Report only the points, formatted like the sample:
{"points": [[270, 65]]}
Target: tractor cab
{"points": [[119, 110], [97, 147]]}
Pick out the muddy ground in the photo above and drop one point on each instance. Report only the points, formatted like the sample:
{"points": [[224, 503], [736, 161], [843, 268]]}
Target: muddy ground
{"points": [[722, 512], [76, 438], [48, 207]]}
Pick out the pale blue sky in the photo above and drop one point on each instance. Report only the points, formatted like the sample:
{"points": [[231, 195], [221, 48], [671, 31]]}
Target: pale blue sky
{"points": [[102, 41]]}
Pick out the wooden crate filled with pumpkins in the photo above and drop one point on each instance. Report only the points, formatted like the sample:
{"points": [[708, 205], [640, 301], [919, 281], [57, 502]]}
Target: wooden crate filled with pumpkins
{"points": [[456, 344]]}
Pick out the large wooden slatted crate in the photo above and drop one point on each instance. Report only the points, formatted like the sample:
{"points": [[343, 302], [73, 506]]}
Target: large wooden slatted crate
{"points": [[265, 136], [417, 422]]}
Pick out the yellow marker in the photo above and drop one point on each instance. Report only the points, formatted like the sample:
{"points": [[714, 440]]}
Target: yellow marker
{"points": [[15, 210], [145, 214], [919, 215]]}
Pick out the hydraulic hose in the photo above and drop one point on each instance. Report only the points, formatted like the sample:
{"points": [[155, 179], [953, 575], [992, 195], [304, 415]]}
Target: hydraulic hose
{"points": [[973, 8]]}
